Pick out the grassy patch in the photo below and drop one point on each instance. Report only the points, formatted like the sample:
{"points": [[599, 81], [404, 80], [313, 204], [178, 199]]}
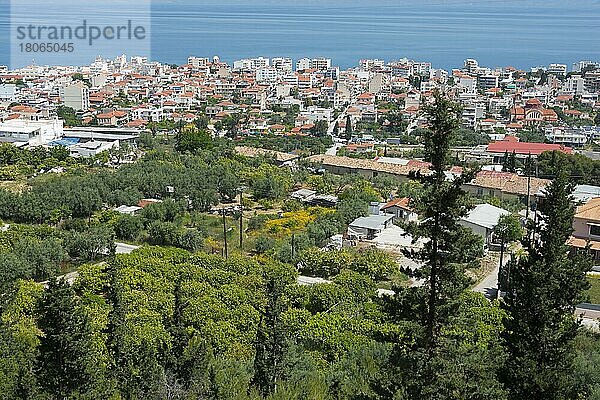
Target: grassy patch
{"points": [[594, 290]]}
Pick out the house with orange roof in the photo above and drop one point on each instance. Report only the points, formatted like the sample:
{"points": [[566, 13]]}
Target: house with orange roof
{"points": [[586, 229], [365, 98], [112, 118], [401, 210], [136, 123]]}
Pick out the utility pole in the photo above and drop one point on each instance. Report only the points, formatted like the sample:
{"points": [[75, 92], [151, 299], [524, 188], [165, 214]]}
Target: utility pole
{"points": [[501, 258], [241, 190], [224, 234], [293, 244], [241, 227], [528, 187]]}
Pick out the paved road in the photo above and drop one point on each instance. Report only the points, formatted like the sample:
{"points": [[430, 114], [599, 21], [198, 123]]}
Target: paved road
{"points": [[332, 151], [489, 285], [121, 248], [309, 281], [124, 248]]}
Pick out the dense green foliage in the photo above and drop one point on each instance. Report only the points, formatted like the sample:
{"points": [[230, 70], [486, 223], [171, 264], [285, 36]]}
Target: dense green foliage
{"points": [[583, 170], [175, 322], [201, 179], [543, 289]]}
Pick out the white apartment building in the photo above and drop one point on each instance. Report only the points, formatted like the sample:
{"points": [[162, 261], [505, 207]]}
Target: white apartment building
{"points": [[76, 96], [441, 75], [315, 114], [268, 74], [541, 95], [225, 88], [421, 68], [497, 104], [565, 136], [30, 133], [467, 83], [197, 62], [370, 64], [574, 85], [557, 69], [302, 64], [581, 65], [471, 114], [471, 64], [320, 64], [8, 91], [283, 64], [138, 60], [148, 114], [251, 64]]}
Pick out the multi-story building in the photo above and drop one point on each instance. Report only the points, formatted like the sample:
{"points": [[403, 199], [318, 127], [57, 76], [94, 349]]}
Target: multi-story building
{"points": [[485, 82], [371, 64], [282, 64], [471, 114], [557, 69], [575, 84], [467, 83], [320, 64], [582, 65], [197, 62], [76, 96], [565, 136], [267, 74], [8, 92], [314, 114], [30, 133], [148, 114], [471, 65], [251, 64], [592, 82]]}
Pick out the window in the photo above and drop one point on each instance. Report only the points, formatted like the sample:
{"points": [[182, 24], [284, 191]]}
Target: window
{"points": [[595, 230]]}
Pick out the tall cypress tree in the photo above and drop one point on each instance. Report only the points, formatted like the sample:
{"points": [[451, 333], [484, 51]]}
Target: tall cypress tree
{"points": [[543, 289], [62, 348], [443, 204], [418, 363], [270, 345], [348, 130]]}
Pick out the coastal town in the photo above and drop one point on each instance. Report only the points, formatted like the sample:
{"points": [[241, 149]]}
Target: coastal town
{"points": [[199, 223], [372, 114]]}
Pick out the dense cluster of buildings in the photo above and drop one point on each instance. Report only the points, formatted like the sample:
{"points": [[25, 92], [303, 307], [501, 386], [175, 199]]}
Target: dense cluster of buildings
{"points": [[132, 92], [115, 100]]}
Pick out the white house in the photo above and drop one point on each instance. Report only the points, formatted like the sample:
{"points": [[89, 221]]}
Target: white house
{"points": [[23, 132], [368, 227], [482, 220], [401, 210]]}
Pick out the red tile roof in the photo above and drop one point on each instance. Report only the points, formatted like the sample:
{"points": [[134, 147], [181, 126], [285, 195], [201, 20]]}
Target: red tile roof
{"points": [[401, 203], [526, 148]]}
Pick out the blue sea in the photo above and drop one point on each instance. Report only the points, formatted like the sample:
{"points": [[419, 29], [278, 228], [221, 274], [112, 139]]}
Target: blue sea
{"points": [[496, 32]]}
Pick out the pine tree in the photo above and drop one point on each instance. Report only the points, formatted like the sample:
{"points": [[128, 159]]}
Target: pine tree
{"points": [[510, 162], [62, 348], [426, 310], [544, 288], [270, 343], [441, 207], [348, 127]]}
